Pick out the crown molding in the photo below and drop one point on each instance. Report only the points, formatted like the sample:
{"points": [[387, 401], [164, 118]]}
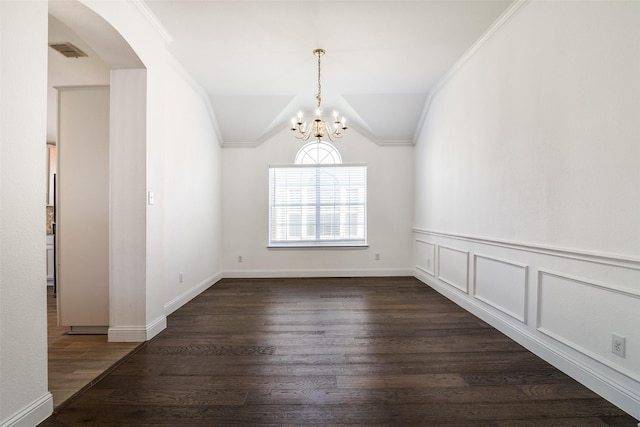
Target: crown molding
{"points": [[151, 18]]}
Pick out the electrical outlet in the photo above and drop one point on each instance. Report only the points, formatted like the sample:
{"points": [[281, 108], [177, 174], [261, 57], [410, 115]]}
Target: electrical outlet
{"points": [[618, 344], [180, 277], [377, 257], [428, 263], [239, 258]]}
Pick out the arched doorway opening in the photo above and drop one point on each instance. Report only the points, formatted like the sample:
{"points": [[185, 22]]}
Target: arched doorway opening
{"points": [[91, 300]]}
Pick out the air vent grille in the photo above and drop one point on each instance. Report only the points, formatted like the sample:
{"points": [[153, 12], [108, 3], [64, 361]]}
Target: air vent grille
{"points": [[67, 49]]}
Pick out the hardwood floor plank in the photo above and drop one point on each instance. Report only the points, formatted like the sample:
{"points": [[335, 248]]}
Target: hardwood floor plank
{"points": [[209, 397], [555, 422], [281, 370], [568, 390], [519, 378], [385, 395], [401, 381]]}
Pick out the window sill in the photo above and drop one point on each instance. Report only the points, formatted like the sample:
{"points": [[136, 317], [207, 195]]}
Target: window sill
{"points": [[327, 245]]}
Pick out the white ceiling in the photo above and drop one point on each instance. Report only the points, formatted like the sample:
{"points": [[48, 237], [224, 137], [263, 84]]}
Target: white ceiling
{"points": [[254, 59]]}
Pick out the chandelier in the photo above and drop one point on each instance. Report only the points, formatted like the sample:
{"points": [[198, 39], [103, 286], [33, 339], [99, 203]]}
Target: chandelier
{"points": [[319, 127]]}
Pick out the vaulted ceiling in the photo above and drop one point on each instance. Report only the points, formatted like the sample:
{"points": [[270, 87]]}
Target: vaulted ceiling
{"points": [[254, 59]]}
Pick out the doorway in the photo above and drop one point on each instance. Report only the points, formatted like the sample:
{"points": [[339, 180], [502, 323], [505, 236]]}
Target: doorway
{"points": [[76, 361]]}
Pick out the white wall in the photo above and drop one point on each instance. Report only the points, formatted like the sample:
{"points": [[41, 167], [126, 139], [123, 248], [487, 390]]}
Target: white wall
{"points": [[245, 212], [192, 194], [527, 177], [24, 399], [536, 136]]}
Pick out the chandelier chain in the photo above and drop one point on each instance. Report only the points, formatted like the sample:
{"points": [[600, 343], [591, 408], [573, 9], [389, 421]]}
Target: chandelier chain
{"points": [[319, 94]]}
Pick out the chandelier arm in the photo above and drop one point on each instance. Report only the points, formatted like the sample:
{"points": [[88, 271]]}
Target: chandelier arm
{"points": [[305, 133], [331, 138], [300, 135]]}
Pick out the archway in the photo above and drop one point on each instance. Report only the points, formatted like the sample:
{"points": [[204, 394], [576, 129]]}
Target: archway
{"points": [[127, 162]]}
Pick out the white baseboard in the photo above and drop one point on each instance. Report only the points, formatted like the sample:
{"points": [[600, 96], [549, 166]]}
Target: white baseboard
{"points": [[189, 294], [127, 334], [33, 414], [252, 274], [137, 333], [155, 327]]}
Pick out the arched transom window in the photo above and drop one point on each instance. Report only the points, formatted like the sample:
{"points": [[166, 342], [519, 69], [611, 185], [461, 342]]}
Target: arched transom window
{"points": [[318, 153]]}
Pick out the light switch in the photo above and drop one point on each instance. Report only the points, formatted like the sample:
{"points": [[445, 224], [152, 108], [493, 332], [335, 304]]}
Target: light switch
{"points": [[150, 197]]}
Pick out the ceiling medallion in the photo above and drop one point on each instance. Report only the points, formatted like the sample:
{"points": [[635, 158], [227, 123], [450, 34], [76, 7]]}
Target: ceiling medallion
{"points": [[319, 127]]}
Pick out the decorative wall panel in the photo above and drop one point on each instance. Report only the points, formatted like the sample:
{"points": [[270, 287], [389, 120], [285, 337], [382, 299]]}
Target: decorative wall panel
{"points": [[501, 284], [453, 267], [426, 256], [582, 314]]}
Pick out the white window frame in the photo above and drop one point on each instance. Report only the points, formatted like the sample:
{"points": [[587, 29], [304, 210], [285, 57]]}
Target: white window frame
{"points": [[334, 198]]}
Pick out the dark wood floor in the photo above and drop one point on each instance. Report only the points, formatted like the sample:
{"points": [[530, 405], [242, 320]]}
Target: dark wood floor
{"points": [[334, 352]]}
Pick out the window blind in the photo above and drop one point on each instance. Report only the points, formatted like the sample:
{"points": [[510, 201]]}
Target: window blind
{"points": [[318, 205]]}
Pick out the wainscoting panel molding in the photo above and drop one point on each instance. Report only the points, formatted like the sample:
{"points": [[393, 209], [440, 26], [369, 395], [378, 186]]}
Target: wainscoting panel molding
{"points": [[426, 256], [562, 304], [501, 284], [578, 313], [453, 267]]}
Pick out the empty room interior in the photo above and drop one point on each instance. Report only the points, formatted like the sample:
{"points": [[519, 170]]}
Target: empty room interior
{"points": [[373, 170]]}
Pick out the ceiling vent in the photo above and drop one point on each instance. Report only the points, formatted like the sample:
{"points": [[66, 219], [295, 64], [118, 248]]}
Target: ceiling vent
{"points": [[67, 49]]}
